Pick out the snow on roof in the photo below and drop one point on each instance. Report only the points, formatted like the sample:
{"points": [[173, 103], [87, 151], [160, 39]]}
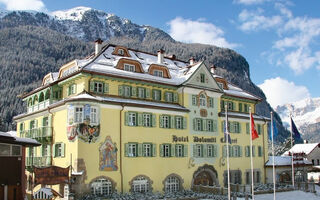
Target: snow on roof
{"points": [[302, 148], [245, 115], [107, 62], [55, 76], [285, 161], [10, 138], [13, 133], [238, 92], [128, 101]]}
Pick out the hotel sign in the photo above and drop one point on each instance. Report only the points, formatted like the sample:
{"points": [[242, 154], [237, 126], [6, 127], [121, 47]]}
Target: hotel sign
{"points": [[195, 139], [51, 175]]}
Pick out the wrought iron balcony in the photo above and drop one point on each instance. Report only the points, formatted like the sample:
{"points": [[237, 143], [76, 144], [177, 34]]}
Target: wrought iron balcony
{"points": [[42, 134]]}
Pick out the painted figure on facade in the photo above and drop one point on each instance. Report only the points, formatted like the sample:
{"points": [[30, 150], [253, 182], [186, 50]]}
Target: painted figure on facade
{"points": [[108, 155], [86, 131]]}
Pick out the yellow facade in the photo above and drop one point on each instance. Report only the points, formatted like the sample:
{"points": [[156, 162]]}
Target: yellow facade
{"points": [[137, 139]]}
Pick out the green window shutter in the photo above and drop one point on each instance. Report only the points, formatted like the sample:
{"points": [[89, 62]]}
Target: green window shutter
{"points": [[154, 123], [234, 151], [172, 150], [222, 126], [140, 119], [166, 97], [172, 122], [215, 150], [126, 149], [253, 151], [161, 150], [154, 150], [240, 151], [68, 90], [54, 153], [195, 124], [240, 107], [239, 129], [120, 90], [195, 151], [49, 150], [63, 147], [222, 104], [176, 150], [147, 93], [204, 150], [204, 125], [133, 91], [161, 121], [91, 86], [175, 97], [215, 125], [231, 127], [185, 150], [247, 128], [224, 151], [140, 150], [184, 123], [126, 118], [106, 88], [153, 95]]}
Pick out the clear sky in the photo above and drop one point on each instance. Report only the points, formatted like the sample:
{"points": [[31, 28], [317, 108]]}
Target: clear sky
{"points": [[279, 38]]}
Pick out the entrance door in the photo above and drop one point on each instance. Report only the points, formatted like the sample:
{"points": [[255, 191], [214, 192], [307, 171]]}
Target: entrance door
{"points": [[203, 178], [13, 192]]}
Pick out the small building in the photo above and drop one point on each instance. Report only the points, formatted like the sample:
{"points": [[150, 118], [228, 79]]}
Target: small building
{"points": [[12, 168], [283, 168], [312, 154]]}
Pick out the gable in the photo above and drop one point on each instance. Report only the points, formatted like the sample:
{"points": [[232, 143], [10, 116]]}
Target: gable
{"points": [[202, 78]]}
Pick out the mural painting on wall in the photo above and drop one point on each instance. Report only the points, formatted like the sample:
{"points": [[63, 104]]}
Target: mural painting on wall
{"points": [[108, 155], [85, 131]]}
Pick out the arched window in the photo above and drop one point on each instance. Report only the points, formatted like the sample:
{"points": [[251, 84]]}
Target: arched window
{"points": [[35, 100], [30, 102], [41, 97], [172, 184], [140, 184], [203, 100], [101, 187], [47, 95]]}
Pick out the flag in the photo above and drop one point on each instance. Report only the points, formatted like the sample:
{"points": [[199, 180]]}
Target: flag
{"points": [[253, 129], [275, 130], [295, 132]]}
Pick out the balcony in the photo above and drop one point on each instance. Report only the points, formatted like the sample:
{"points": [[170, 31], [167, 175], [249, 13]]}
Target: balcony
{"points": [[41, 105], [43, 161], [42, 134]]}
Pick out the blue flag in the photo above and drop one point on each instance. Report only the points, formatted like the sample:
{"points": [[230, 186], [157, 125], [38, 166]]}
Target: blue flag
{"points": [[275, 130], [295, 132]]}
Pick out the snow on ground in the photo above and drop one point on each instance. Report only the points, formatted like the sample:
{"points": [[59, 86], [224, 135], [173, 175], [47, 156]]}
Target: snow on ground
{"points": [[293, 195]]}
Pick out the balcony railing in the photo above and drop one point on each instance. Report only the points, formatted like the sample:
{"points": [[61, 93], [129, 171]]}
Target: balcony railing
{"points": [[41, 105], [41, 134], [38, 161]]}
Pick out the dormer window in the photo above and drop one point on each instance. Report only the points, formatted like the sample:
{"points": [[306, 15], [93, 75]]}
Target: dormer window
{"points": [[120, 52], [220, 84], [129, 68], [158, 73]]}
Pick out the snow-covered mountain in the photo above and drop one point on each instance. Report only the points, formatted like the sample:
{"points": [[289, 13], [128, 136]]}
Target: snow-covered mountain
{"points": [[305, 114], [83, 23]]}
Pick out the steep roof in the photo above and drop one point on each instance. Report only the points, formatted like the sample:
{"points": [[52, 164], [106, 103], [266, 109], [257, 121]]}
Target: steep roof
{"points": [[302, 148]]}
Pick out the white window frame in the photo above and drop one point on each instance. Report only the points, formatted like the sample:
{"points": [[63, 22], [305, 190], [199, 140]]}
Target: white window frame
{"points": [[166, 150], [120, 52], [147, 150], [169, 96], [179, 122], [132, 150], [157, 95], [94, 115], [78, 114], [158, 73], [129, 68], [203, 100], [141, 92], [166, 121], [147, 120], [199, 124], [202, 78], [210, 150], [132, 119], [98, 87], [140, 184], [10, 151], [210, 125], [199, 150], [172, 184], [127, 91], [179, 150], [101, 187]]}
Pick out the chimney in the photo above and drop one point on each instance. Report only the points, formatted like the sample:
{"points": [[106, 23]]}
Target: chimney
{"points": [[213, 69], [98, 45], [173, 57], [306, 141], [160, 56], [191, 61]]}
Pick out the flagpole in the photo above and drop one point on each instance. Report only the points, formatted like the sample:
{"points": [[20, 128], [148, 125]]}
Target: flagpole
{"points": [[273, 169], [252, 186], [292, 165], [227, 141]]}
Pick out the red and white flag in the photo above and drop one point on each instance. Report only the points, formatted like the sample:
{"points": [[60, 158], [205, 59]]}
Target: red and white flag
{"points": [[254, 133]]}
